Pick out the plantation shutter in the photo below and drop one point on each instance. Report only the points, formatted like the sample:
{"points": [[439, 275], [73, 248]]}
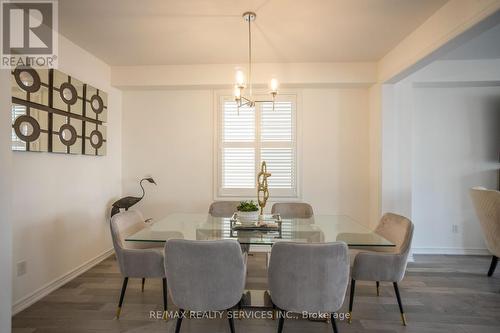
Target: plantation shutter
{"points": [[238, 154], [254, 135], [277, 144]]}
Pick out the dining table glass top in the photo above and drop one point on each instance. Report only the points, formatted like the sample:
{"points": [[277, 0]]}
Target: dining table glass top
{"points": [[317, 229]]}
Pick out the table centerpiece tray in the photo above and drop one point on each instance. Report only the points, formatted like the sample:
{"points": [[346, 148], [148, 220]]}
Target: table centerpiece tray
{"points": [[263, 223]]}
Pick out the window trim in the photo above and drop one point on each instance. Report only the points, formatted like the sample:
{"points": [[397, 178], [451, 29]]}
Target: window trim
{"points": [[276, 195]]}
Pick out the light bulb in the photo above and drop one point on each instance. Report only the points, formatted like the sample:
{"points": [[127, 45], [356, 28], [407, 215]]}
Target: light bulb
{"points": [[237, 92], [273, 85], [240, 78]]}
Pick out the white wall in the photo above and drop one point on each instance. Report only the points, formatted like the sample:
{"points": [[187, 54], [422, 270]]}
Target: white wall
{"points": [[61, 202], [5, 204], [335, 151], [397, 148], [169, 134], [220, 75], [456, 142], [441, 136], [375, 149]]}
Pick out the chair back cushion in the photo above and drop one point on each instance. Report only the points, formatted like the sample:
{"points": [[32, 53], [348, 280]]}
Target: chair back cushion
{"points": [[308, 277], [125, 224], [389, 267], [397, 229], [135, 259], [223, 208], [205, 275], [487, 205], [299, 210]]}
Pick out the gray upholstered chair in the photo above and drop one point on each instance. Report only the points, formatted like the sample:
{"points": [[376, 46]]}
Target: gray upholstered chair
{"points": [[136, 260], [205, 275], [226, 209], [487, 205], [308, 277], [300, 210], [223, 208], [385, 266], [141, 245]]}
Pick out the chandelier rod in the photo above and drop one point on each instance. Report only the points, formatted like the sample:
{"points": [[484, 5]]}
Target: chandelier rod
{"points": [[250, 55]]}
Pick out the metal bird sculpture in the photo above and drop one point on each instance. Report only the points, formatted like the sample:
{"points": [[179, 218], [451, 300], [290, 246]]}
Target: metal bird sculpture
{"points": [[127, 202]]}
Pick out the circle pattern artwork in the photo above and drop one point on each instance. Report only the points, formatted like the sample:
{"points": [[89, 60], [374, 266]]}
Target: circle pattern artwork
{"points": [[96, 139], [27, 128], [28, 79], [96, 104], [55, 112], [68, 93], [67, 135]]}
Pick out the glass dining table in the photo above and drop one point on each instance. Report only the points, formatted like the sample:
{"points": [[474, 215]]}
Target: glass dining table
{"points": [[317, 229]]}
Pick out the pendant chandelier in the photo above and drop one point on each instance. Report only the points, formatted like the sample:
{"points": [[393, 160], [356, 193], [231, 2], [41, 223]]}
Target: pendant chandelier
{"points": [[241, 83]]}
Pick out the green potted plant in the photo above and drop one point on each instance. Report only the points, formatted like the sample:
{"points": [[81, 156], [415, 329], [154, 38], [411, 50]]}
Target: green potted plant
{"points": [[248, 211]]}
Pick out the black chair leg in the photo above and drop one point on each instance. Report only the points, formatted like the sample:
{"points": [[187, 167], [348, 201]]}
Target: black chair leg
{"points": [[231, 324], [378, 288], [351, 300], [165, 297], [122, 296], [281, 321], [334, 324], [396, 289], [142, 286], [240, 309], [275, 310], [179, 321], [493, 265]]}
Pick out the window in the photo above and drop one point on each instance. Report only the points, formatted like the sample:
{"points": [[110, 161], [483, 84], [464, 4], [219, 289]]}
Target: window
{"points": [[252, 136], [17, 111]]}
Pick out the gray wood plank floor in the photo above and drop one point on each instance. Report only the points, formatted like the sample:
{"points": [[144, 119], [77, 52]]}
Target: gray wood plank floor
{"points": [[440, 294]]}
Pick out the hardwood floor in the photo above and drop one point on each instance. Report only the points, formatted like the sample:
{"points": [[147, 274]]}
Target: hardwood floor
{"points": [[440, 294]]}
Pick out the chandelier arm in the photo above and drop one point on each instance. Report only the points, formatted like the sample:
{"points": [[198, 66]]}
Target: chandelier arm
{"points": [[246, 99], [247, 102], [264, 101]]}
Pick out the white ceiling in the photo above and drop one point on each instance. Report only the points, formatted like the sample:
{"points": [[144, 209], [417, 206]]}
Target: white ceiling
{"points": [[154, 32]]}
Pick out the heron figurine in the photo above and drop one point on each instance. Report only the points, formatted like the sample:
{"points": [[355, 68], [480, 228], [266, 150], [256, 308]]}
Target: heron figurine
{"points": [[127, 202]]}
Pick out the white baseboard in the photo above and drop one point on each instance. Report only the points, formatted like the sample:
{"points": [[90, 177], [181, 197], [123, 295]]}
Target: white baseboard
{"points": [[449, 250], [59, 282]]}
